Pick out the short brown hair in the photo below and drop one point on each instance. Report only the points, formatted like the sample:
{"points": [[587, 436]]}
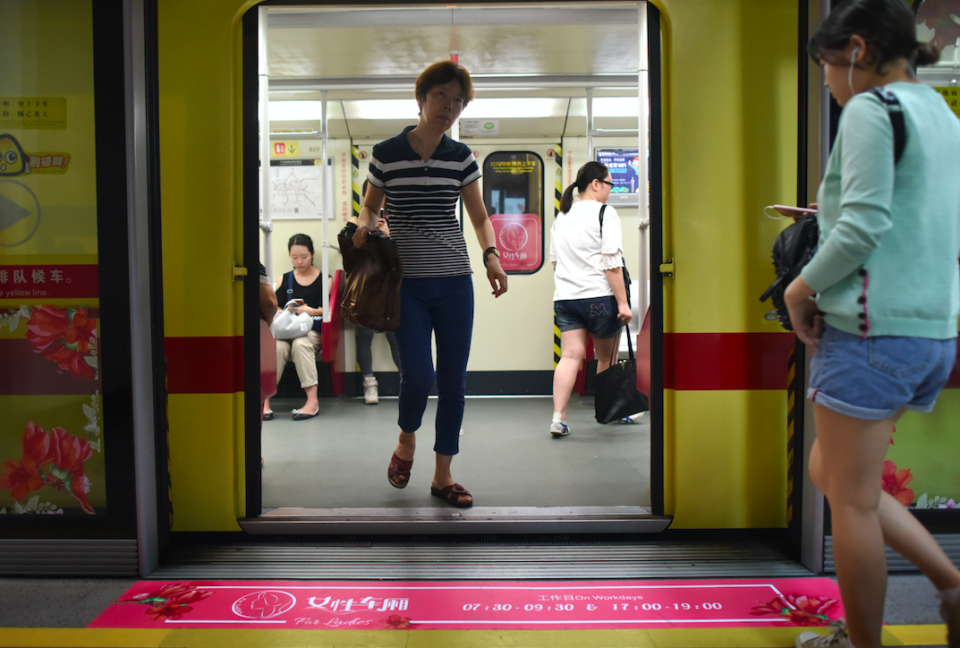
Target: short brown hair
{"points": [[441, 73]]}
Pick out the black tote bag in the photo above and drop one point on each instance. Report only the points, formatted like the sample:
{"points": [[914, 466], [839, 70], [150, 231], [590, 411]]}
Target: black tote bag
{"points": [[616, 389]]}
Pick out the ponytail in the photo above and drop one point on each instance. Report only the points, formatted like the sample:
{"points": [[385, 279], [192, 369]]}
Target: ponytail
{"points": [[588, 173], [927, 54], [566, 200]]}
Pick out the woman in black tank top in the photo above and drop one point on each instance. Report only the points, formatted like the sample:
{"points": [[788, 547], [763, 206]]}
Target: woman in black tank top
{"points": [[303, 283]]}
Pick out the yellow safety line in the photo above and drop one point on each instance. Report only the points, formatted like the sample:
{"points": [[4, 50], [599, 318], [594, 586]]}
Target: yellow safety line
{"points": [[903, 635]]}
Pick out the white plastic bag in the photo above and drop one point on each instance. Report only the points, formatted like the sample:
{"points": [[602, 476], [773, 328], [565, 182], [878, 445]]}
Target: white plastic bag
{"points": [[287, 325]]}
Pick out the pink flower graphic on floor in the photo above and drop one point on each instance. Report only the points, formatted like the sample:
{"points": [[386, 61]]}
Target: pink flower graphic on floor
{"points": [[396, 622], [170, 602], [798, 609]]}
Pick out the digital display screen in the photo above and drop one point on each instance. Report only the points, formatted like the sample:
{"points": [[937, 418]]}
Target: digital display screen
{"points": [[624, 165]]}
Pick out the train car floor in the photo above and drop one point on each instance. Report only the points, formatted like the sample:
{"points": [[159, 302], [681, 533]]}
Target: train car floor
{"points": [[508, 457], [54, 613]]}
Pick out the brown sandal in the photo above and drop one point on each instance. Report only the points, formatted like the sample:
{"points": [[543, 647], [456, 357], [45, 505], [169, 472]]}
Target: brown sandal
{"points": [[454, 494], [398, 474]]}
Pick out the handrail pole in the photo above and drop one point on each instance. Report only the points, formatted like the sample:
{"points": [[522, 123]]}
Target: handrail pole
{"points": [[263, 72], [643, 134], [326, 188]]}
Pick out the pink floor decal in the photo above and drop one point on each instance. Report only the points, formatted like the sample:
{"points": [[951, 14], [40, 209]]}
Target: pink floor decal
{"points": [[373, 605]]}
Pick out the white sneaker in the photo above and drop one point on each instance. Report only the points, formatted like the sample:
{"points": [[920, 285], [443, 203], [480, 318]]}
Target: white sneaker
{"points": [[559, 429], [838, 637], [633, 418], [370, 394]]}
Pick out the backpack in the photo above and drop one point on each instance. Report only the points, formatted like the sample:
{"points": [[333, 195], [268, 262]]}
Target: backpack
{"points": [[795, 246]]}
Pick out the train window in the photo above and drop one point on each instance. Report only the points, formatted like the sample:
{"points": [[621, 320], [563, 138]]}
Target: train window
{"points": [[513, 194]]}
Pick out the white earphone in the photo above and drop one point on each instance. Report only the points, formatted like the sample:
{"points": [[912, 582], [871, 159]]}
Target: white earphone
{"points": [[853, 55]]}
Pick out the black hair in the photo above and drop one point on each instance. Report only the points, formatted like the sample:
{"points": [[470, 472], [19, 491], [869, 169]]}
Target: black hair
{"points": [[887, 26], [588, 173], [442, 73], [300, 239]]}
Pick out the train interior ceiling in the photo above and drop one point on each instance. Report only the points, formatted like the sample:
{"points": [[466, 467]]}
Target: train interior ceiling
{"points": [[542, 74]]}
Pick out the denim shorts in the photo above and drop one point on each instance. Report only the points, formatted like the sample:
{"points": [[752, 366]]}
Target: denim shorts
{"points": [[876, 377], [596, 314]]}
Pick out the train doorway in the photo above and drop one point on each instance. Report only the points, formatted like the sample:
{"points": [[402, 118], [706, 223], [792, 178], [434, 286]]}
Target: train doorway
{"points": [[556, 86]]}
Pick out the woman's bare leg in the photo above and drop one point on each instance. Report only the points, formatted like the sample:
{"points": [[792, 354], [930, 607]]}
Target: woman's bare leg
{"points": [[604, 350], [442, 476], [903, 533], [406, 445], [846, 463], [573, 348]]}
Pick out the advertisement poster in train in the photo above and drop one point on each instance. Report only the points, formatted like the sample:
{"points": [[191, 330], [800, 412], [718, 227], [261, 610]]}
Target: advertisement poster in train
{"points": [[513, 194], [51, 441]]}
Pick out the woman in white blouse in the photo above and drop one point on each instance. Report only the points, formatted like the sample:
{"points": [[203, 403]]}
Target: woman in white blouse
{"points": [[589, 296]]}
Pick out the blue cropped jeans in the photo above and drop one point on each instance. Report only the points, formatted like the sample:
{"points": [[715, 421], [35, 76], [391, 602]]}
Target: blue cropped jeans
{"points": [[444, 306]]}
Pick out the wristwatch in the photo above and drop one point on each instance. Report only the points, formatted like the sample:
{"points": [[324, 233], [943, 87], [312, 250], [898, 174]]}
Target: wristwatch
{"points": [[488, 252]]}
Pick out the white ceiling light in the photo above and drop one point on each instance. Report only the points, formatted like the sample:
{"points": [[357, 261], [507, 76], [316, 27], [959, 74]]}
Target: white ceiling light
{"points": [[490, 108], [296, 110], [616, 106]]}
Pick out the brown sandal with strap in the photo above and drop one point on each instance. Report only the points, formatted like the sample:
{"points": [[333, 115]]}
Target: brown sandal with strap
{"points": [[398, 474], [454, 494]]}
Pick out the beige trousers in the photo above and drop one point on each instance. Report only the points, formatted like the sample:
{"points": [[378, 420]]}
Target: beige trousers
{"points": [[304, 351]]}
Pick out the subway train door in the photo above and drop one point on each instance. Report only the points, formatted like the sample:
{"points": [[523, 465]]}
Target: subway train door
{"points": [[324, 475]]}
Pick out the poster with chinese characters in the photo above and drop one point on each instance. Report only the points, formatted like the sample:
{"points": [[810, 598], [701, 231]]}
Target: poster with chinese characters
{"points": [[51, 441]]}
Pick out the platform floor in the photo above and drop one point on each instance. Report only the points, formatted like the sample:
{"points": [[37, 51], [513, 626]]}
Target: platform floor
{"points": [[54, 612]]}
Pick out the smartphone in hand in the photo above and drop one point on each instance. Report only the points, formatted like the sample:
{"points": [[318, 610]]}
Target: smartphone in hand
{"points": [[794, 212]]}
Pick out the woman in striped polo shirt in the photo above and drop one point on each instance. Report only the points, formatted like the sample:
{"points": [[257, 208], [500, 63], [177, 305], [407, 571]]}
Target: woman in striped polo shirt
{"points": [[422, 173]]}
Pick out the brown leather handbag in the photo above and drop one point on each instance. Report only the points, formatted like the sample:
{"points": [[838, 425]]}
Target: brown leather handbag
{"points": [[371, 291]]}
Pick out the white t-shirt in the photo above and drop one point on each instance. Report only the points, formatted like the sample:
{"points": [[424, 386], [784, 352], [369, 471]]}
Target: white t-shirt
{"points": [[577, 254]]}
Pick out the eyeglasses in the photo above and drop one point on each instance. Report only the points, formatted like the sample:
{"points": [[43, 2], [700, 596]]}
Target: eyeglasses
{"points": [[606, 182]]}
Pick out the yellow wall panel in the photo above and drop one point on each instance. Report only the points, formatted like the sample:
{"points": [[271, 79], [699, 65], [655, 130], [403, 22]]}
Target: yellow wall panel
{"points": [[204, 481], [730, 149], [728, 459], [199, 164]]}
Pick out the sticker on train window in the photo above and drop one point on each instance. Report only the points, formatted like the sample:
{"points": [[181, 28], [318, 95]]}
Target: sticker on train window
{"points": [[513, 194]]}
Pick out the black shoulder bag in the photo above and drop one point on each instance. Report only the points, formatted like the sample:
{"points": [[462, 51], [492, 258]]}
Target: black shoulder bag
{"points": [[796, 244], [616, 393]]}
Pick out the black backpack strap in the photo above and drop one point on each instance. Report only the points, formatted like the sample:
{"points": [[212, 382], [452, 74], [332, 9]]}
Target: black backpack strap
{"points": [[895, 111], [602, 207]]}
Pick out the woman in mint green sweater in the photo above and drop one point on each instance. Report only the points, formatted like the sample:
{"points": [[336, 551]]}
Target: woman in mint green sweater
{"points": [[879, 301]]}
